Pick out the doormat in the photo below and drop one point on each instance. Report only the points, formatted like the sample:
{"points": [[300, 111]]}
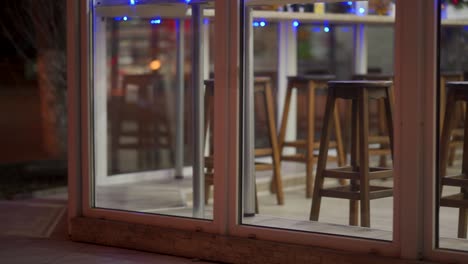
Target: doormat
{"points": [[31, 218]]}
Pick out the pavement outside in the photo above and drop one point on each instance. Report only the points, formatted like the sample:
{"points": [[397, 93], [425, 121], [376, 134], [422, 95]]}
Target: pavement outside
{"points": [[35, 231]]}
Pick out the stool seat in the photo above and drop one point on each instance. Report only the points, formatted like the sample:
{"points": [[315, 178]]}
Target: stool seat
{"points": [[457, 85], [360, 84], [451, 74], [311, 77], [373, 76]]}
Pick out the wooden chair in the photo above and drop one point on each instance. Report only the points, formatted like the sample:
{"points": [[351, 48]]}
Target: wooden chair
{"points": [[359, 191], [142, 103], [262, 88], [381, 137], [308, 86], [456, 91]]}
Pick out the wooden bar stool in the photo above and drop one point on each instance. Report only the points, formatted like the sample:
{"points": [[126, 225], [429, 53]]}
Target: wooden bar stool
{"points": [[140, 102], [456, 91], [381, 137], [359, 173], [456, 139], [308, 85], [262, 86]]}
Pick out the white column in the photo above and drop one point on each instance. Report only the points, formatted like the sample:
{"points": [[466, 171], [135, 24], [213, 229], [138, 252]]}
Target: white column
{"points": [[249, 123], [179, 113], [287, 66], [206, 73], [197, 112], [360, 41], [206, 49], [100, 90]]}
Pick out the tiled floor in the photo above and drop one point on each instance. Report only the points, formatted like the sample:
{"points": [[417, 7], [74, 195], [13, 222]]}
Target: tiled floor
{"points": [[34, 232], [16, 250]]}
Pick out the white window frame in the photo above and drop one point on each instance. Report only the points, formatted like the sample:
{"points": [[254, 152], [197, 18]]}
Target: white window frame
{"points": [[80, 127], [415, 121]]}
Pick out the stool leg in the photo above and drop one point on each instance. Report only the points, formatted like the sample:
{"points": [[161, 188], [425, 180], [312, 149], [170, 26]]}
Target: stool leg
{"points": [[274, 145], [208, 130], [445, 137], [443, 94], [364, 157], [284, 118], [310, 138], [284, 124], [462, 217], [256, 200], [323, 153], [388, 101], [339, 139], [354, 204], [459, 113], [462, 223], [381, 115]]}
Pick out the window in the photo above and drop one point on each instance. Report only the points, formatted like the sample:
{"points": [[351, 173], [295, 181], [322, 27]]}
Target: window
{"points": [[258, 44]]}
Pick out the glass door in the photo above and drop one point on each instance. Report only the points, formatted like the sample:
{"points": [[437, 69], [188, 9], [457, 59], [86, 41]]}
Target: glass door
{"points": [[452, 179], [291, 51]]}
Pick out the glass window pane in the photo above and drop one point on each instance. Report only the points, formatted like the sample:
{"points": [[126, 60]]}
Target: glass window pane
{"points": [[291, 52], [147, 118], [452, 182]]}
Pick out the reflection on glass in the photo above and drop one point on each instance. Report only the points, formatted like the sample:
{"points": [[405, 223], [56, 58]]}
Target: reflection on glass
{"points": [[280, 165], [143, 104], [452, 112]]}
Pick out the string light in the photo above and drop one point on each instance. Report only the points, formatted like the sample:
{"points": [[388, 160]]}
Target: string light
{"points": [[326, 29], [125, 18], [263, 23], [362, 10], [295, 23], [155, 21], [256, 24], [132, 2]]}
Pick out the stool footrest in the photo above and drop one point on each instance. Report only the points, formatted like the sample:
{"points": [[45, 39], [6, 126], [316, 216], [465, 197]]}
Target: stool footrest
{"points": [[379, 152], [459, 132], [456, 144], [259, 166], [460, 180], [379, 139], [353, 193], [294, 157], [353, 174], [263, 152], [303, 144], [456, 200]]}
